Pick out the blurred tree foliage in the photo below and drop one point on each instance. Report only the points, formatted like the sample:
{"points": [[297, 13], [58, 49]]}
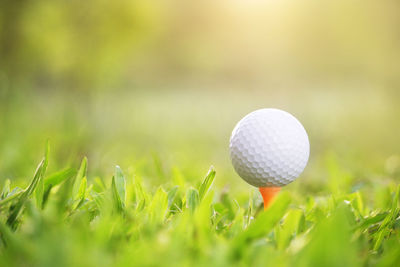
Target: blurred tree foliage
{"points": [[86, 45], [73, 43]]}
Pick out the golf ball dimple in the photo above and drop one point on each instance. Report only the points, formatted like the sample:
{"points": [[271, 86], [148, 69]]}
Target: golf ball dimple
{"points": [[269, 148]]}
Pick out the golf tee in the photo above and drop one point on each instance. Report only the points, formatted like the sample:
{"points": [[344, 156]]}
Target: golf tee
{"points": [[268, 194]]}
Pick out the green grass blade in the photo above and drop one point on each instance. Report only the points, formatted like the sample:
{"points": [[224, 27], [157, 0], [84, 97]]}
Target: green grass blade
{"points": [[293, 224], [330, 242], [141, 197], [40, 186], [372, 220], [10, 198], [65, 195], [80, 196], [118, 189], [120, 183], [115, 196], [158, 207], [58, 177], [79, 176], [207, 182], [6, 189], [387, 223], [12, 218], [192, 199], [264, 223], [172, 194], [46, 195]]}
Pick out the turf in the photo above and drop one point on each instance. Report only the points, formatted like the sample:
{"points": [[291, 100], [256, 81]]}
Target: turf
{"points": [[72, 205], [62, 219]]}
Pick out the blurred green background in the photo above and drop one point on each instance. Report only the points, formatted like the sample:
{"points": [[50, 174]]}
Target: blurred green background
{"points": [[157, 87]]}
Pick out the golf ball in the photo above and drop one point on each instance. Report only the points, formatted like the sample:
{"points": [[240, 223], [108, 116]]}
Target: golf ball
{"points": [[269, 148]]}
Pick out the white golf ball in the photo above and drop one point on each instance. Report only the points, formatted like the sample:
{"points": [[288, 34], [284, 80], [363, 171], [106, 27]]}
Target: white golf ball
{"points": [[269, 148]]}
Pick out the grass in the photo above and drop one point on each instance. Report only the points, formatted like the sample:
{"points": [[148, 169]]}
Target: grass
{"points": [[62, 219], [128, 182]]}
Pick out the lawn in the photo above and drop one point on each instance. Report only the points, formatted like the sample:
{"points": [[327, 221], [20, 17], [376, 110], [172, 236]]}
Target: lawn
{"points": [[176, 200]]}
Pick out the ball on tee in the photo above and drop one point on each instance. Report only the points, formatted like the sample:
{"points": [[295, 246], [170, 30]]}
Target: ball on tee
{"points": [[269, 148]]}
